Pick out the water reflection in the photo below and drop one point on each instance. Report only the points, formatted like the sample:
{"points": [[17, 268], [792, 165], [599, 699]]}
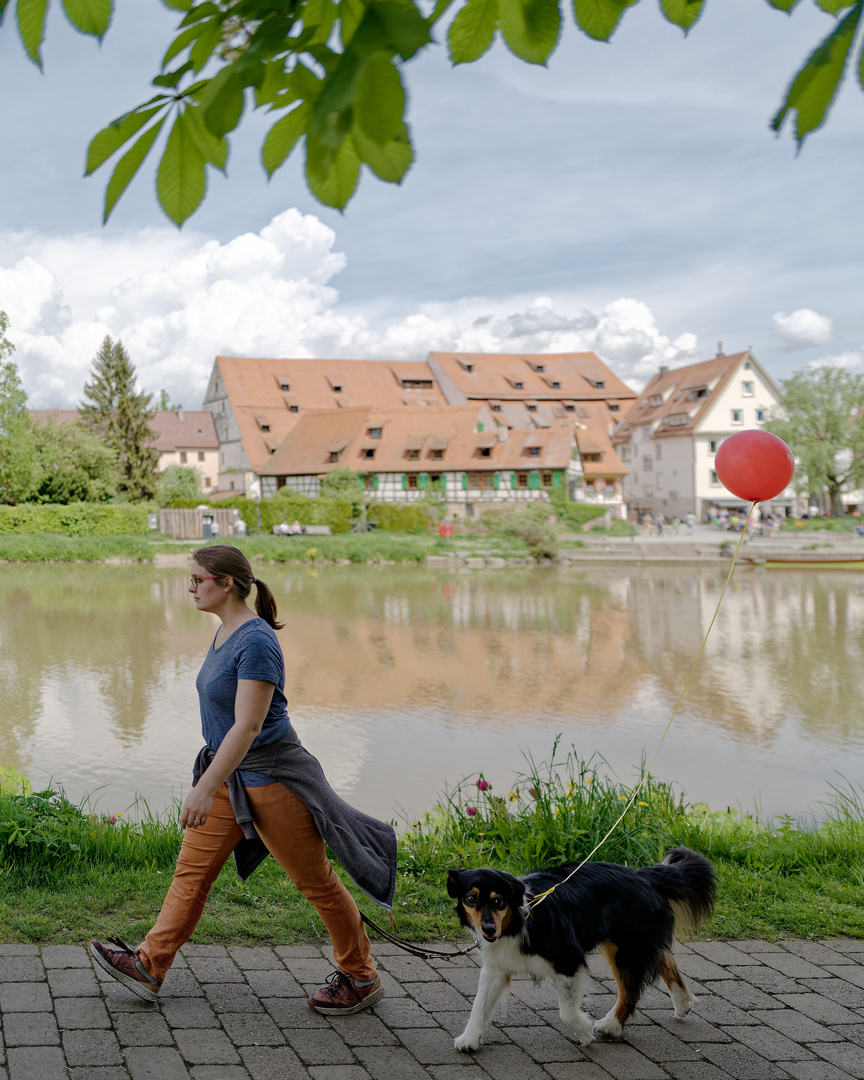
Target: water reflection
{"points": [[403, 681]]}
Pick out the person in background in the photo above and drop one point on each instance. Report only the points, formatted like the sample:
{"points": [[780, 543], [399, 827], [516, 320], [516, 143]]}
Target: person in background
{"points": [[690, 522], [257, 791]]}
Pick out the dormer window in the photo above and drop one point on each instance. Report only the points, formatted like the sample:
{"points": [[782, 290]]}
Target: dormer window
{"points": [[534, 451], [539, 369], [570, 408], [265, 427], [334, 455], [369, 453], [284, 386], [656, 400], [532, 407], [337, 388], [374, 432], [496, 408], [414, 455], [517, 385], [485, 451], [293, 408], [437, 454]]}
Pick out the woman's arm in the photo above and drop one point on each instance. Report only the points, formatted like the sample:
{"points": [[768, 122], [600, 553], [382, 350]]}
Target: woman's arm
{"points": [[250, 711]]}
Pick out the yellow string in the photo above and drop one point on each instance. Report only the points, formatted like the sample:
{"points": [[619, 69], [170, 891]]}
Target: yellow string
{"points": [[646, 773]]}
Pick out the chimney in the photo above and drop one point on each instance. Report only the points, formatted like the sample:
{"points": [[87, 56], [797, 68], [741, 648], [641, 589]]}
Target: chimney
{"points": [[502, 433], [720, 349], [180, 413], [664, 370]]}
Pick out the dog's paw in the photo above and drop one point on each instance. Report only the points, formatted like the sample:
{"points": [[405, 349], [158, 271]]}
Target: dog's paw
{"points": [[467, 1043], [609, 1027]]}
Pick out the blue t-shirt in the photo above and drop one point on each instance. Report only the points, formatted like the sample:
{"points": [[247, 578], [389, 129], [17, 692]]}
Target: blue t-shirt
{"points": [[251, 652]]}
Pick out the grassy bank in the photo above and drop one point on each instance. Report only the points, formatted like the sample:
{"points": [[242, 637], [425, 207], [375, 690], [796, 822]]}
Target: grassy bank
{"points": [[67, 874], [53, 547]]}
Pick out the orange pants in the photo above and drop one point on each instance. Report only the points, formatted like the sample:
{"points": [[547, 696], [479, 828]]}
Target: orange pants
{"points": [[288, 830]]}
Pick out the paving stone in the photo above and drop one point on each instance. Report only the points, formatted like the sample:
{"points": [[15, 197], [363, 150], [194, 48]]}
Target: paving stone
{"points": [[297, 952], [692, 1029], [740, 1062], [37, 1063], [99, 1072], [155, 1063], [214, 969], [430, 1046], [91, 1048], [199, 1046], [218, 1072], [436, 996], [236, 997], [65, 956], [851, 1032], [844, 993], [543, 1044], [73, 982], [717, 1010], [362, 1029], [180, 983], [845, 1057], [272, 1063], [851, 973], [757, 946], [697, 967], [796, 967], [814, 1070], [659, 1045], [30, 1029], [721, 952], [25, 997], [509, 1063], [769, 1044], [795, 1025], [309, 972], [211, 951], [247, 1029], [582, 1070], [534, 995], [319, 1047], [406, 969], [768, 979], [142, 1029], [814, 952], [23, 968], [819, 1008], [389, 1063], [188, 1013], [454, 1025], [73, 1014], [846, 945], [256, 958], [266, 983], [403, 1013], [464, 1070], [694, 1070], [338, 1072], [743, 994], [19, 950]]}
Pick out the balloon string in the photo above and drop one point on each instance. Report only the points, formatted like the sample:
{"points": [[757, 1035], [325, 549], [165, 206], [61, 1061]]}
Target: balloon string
{"points": [[540, 897]]}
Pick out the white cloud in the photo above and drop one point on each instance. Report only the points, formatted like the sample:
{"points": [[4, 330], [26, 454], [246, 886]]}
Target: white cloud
{"points": [[801, 329], [178, 300], [845, 360]]}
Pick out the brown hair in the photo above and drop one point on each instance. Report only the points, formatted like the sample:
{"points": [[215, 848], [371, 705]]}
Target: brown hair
{"points": [[223, 561]]}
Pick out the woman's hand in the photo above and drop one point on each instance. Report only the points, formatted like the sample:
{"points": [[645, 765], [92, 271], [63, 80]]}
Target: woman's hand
{"points": [[196, 809]]}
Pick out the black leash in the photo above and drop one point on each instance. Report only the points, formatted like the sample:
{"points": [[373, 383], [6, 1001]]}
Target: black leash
{"points": [[415, 950]]}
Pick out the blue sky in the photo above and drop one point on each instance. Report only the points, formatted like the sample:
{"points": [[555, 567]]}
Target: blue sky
{"points": [[628, 198]]}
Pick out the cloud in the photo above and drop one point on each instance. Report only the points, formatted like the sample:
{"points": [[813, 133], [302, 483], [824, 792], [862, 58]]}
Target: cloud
{"points": [[847, 361], [801, 329], [178, 300]]}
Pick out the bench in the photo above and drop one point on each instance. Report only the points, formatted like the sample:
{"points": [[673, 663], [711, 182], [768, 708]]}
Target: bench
{"points": [[308, 530]]}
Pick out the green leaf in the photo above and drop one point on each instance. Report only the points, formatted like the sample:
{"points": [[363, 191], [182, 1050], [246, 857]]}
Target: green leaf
{"points": [[172, 78], [178, 5], [472, 31], [328, 123], [181, 42], [599, 18], [89, 16], [783, 5], [205, 46], [379, 101], [282, 137], [815, 86], [389, 162], [350, 14], [31, 26], [833, 6], [214, 148], [530, 27], [111, 138], [181, 180], [127, 166], [441, 8], [683, 13], [332, 177], [391, 25], [223, 101]]}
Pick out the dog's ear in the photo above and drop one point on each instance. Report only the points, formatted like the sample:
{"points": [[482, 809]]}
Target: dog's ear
{"points": [[454, 883]]}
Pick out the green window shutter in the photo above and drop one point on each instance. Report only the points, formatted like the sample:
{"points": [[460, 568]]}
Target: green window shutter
{"points": [[423, 480], [479, 427], [513, 481], [404, 482], [534, 480], [464, 481], [556, 479], [496, 480], [375, 481]]}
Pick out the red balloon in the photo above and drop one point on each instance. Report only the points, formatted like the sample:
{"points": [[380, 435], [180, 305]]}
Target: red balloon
{"points": [[754, 465]]}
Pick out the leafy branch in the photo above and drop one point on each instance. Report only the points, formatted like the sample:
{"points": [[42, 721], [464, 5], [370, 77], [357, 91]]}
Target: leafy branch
{"points": [[333, 73]]}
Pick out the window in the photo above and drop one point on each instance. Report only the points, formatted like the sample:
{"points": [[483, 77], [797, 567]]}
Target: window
{"points": [[474, 480], [413, 455], [265, 427], [293, 408], [647, 464], [678, 420], [485, 451], [715, 480], [701, 392], [712, 446], [284, 386], [208, 481], [374, 432], [624, 453], [517, 385], [760, 416], [437, 455], [649, 493], [369, 454], [747, 388], [646, 433], [658, 451], [417, 384], [556, 385], [532, 407], [570, 408], [546, 479], [613, 408], [369, 482], [412, 481], [200, 455], [496, 408], [183, 457], [539, 368], [747, 365], [656, 400], [334, 455], [737, 416], [434, 477], [659, 481], [533, 451], [522, 480]]}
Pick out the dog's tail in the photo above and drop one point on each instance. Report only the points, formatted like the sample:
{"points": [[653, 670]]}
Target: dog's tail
{"points": [[687, 880]]}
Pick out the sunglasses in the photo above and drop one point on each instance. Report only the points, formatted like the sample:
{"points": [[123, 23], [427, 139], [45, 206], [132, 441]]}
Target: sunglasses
{"points": [[196, 581]]}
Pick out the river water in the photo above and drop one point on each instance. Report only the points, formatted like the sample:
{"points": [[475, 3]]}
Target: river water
{"points": [[404, 681]]}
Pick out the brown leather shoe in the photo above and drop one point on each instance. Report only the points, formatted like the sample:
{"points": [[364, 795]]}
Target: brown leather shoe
{"points": [[340, 997], [125, 966]]}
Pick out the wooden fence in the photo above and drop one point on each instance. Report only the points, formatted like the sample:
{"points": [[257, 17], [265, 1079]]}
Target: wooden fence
{"points": [[189, 524]]}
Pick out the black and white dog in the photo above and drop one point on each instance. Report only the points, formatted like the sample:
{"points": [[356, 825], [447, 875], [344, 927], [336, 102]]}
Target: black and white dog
{"points": [[630, 915]]}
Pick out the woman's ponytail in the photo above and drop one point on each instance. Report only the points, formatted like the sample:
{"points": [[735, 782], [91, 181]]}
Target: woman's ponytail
{"points": [[265, 605]]}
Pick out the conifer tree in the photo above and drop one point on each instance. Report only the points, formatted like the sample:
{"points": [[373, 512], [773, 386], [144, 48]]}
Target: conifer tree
{"points": [[20, 470], [121, 415]]}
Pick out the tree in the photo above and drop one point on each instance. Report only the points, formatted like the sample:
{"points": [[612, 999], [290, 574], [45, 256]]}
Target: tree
{"points": [[76, 465], [333, 74], [822, 419], [122, 417], [19, 466], [178, 482]]}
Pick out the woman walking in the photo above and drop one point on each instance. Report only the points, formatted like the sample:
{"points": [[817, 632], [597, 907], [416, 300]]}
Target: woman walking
{"points": [[256, 790]]}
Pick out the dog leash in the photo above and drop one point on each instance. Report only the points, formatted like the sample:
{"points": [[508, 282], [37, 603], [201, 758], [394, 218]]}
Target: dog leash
{"points": [[540, 897], [415, 950]]}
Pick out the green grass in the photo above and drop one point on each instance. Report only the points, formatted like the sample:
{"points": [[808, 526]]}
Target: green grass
{"points": [[67, 874], [52, 547]]}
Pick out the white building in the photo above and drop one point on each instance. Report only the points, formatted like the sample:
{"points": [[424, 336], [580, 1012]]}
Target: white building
{"points": [[669, 437]]}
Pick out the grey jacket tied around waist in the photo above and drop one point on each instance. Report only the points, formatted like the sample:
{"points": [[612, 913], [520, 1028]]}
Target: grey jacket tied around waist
{"points": [[365, 846]]}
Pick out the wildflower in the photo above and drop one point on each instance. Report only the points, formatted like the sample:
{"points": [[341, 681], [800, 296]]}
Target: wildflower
{"points": [[640, 803], [114, 819], [484, 785], [534, 793], [555, 811], [622, 798], [512, 795], [571, 787], [471, 810]]}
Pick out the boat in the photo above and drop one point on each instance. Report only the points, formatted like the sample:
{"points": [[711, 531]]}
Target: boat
{"points": [[806, 561]]}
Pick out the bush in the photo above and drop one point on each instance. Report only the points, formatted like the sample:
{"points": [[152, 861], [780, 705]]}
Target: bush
{"points": [[573, 514], [402, 519], [74, 519]]}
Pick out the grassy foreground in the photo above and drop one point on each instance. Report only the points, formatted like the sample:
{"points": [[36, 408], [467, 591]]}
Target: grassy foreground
{"points": [[67, 875]]}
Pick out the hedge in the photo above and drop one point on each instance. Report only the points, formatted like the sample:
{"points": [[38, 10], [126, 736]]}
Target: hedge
{"points": [[574, 514], [74, 519], [292, 507], [401, 519]]}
